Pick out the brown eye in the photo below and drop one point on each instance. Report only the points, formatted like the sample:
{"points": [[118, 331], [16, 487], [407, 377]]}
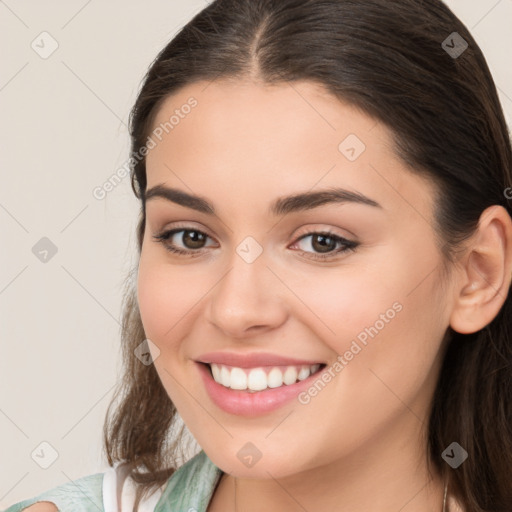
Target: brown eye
{"points": [[324, 245], [192, 240]]}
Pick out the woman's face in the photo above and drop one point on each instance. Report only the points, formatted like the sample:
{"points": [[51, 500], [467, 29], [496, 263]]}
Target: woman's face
{"points": [[373, 311]]}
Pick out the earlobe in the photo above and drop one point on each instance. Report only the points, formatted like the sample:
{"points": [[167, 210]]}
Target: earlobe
{"points": [[486, 275]]}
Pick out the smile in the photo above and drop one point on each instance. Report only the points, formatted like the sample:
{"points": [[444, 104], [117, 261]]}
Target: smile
{"points": [[261, 378], [288, 382]]}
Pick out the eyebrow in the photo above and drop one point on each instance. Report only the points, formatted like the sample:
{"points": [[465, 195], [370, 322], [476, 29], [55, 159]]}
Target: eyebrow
{"points": [[281, 206]]}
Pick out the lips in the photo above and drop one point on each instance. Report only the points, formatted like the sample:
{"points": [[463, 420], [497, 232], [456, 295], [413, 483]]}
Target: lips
{"points": [[250, 404], [253, 360]]}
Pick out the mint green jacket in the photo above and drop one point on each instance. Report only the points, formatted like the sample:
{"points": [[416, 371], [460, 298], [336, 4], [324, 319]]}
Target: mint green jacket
{"points": [[189, 489]]}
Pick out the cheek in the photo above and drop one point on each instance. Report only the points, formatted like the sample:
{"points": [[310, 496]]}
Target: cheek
{"points": [[165, 297], [384, 322], [381, 312], [345, 302]]}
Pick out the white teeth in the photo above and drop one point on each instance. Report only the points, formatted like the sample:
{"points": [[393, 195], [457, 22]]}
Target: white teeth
{"points": [[303, 374], [216, 372], [275, 378], [238, 379], [225, 378], [257, 379], [290, 375]]}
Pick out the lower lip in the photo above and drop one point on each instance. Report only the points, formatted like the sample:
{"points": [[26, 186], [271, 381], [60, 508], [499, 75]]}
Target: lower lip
{"points": [[243, 403]]}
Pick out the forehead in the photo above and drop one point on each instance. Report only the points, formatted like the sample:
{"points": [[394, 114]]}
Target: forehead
{"points": [[256, 141], [283, 112]]}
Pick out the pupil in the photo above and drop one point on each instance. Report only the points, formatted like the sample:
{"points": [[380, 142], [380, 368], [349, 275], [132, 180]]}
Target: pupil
{"points": [[195, 240], [323, 245]]}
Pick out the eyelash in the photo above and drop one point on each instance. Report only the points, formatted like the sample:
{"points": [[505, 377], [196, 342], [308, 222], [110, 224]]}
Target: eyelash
{"points": [[349, 245]]}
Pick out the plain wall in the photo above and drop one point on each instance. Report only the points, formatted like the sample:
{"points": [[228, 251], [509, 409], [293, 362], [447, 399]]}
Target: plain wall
{"points": [[64, 133]]}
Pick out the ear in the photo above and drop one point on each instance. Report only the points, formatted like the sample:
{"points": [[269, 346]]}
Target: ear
{"points": [[486, 273]]}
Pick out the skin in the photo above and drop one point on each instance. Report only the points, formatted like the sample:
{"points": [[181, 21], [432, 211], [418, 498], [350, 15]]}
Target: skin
{"points": [[361, 441]]}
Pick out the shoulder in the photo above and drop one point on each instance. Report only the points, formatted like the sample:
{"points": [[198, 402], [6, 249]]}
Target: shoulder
{"points": [[43, 506], [191, 486], [81, 495]]}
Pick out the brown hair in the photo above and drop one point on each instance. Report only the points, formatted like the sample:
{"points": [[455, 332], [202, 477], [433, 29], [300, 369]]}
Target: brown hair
{"points": [[387, 58]]}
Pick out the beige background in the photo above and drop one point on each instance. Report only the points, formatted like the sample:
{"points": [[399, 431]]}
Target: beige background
{"points": [[63, 132]]}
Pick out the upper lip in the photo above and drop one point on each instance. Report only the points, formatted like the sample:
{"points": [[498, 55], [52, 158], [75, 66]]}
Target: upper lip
{"points": [[253, 360]]}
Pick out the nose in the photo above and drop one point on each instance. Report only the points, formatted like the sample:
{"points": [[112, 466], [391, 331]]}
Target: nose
{"points": [[248, 300]]}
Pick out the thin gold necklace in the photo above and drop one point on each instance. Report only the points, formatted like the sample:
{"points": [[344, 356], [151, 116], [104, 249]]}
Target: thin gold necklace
{"points": [[444, 498]]}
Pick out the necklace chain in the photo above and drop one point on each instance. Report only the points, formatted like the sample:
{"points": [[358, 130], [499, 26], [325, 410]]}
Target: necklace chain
{"points": [[444, 497]]}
